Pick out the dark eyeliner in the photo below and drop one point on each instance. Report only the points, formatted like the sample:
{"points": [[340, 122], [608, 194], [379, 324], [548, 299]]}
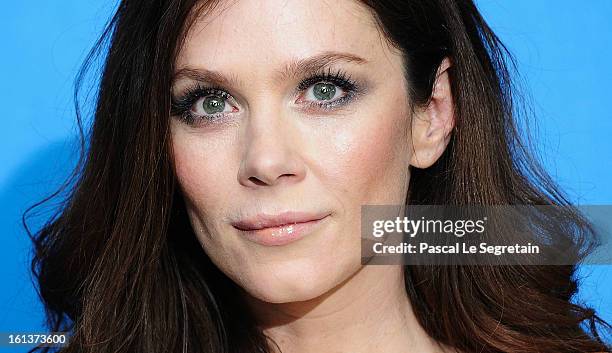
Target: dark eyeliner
{"points": [[181, 105], [339, 78]]}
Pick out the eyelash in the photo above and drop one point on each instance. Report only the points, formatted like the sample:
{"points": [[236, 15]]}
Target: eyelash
{"points": [[181, 106]]}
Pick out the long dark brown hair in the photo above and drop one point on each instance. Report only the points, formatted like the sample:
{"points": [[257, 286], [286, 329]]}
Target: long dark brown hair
{"points": [[118, 265]]}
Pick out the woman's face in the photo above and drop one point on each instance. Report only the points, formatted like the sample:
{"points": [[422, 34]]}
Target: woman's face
{"points": [[271, 145]]}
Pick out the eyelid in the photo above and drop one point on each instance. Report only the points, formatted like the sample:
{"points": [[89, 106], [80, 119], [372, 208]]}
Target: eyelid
{"points": [[353, 90], [183, 104], [328, 74], [195, 92], [197, 87]]}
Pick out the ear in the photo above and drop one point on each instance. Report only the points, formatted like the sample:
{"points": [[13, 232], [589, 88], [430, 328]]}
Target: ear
{"points": [[432, 126]]}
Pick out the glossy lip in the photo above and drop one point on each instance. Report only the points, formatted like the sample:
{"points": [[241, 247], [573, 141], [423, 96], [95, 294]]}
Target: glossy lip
{"points": [[280, 229]]}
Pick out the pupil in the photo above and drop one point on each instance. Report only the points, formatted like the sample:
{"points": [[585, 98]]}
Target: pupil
{"points": [[213, 104], [324, 91]]}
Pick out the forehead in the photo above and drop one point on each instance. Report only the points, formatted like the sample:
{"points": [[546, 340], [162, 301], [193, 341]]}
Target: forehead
{"points": [[256, 35]]}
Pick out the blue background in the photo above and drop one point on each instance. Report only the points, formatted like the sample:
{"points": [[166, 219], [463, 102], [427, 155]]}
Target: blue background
{"points": [[563, 50]]}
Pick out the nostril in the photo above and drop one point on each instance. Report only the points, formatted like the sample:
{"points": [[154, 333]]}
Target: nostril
{"points": [[256, 181]]}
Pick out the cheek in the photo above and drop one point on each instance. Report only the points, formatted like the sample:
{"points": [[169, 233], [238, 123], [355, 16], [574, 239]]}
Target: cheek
{"points": [[202, 170], [189, 172], [367, 158], [202, 165], [200, 160]]}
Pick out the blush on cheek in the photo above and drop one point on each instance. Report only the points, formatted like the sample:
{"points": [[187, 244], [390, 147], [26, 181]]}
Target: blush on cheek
{"points": [[193, 171], [206, 173], [186, 172], [369, 162]]}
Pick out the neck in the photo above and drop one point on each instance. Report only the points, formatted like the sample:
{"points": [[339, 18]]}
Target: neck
{"points": [[369, 312]]}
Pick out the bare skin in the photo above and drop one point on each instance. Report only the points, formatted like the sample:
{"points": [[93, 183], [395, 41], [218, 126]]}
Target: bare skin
{"points": [[272, 151]]}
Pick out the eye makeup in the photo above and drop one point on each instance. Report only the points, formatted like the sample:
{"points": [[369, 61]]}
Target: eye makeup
{"points": [[188, 106], [338, 78], [183, 106]]}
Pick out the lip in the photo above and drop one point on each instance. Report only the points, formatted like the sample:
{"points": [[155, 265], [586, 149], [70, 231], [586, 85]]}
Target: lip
{"points": [[280, 229]]}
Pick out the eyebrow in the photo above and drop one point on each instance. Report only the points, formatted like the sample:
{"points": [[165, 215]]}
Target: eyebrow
{"points": [[295, 68]]}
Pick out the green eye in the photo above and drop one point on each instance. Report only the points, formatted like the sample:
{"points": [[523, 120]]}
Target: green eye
{"points": [[213, 104], [324, 90]]}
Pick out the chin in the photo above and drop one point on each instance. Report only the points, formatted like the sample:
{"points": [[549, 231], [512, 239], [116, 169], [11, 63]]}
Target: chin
{"points": [[292, 282]]}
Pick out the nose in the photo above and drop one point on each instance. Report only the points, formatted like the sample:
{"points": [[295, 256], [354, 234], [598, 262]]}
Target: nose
{"points": [[271, 154]]}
